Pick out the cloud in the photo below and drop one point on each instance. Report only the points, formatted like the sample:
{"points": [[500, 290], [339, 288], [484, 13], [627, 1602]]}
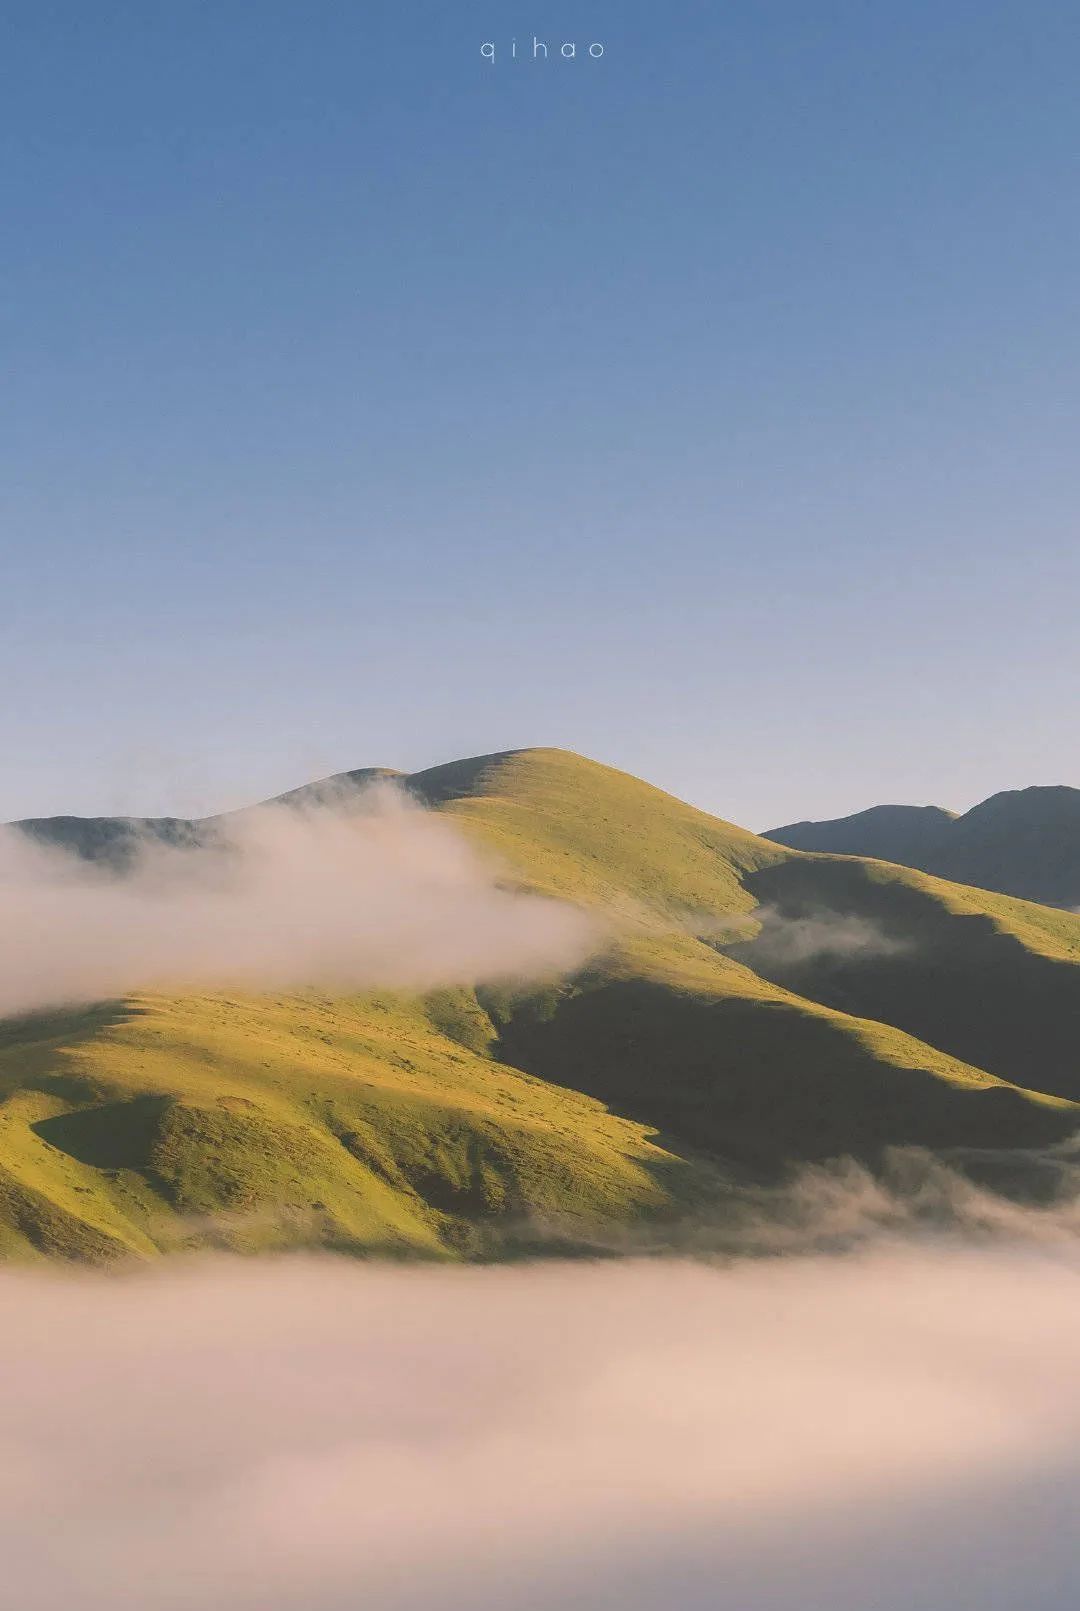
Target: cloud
{"points": [[1025, 1196], [785, 941], [843, 1205], [895, 1429], [384, 894]]}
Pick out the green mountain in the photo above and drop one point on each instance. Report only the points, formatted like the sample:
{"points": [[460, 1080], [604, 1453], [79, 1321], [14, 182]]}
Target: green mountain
{"points": [[1024, 842], [754, 1008]]}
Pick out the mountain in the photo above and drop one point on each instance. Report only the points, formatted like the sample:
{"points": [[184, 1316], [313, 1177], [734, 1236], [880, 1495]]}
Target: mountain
{"points": [[905, 834], [756, 1008], [1023, 842]]}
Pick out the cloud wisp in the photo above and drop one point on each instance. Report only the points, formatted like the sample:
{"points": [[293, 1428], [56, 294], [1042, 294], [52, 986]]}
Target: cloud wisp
{"points": [[382, 895], [786, 941], [896, 1429]]}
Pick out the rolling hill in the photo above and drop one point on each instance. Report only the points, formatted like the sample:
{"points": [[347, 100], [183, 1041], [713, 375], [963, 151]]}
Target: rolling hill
{"points": [[1024, 842], [753, 1008]]}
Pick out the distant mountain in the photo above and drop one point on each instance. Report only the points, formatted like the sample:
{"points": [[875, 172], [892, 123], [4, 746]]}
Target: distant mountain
{"points": [[756, 1008], [1024, 842]]}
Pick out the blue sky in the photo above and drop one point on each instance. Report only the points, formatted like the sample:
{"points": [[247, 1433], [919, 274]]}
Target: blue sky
{"points": [[710, 408]]}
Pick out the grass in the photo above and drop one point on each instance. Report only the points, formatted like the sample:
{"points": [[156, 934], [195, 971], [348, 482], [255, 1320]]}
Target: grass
{"points": [[356, 1123], [483, 1125]]}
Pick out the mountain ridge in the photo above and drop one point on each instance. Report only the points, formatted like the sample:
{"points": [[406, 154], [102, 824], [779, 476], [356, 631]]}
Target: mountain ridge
{"points": [[1021, 842], [755, 1009]]}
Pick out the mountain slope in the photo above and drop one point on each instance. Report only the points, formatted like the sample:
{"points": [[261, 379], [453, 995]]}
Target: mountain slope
{"points": [[363, 1124], [1024, 842], [753, 1007]]}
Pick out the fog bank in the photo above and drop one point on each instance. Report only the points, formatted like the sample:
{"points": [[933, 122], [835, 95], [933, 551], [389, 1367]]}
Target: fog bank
{"points": [[383, 895], [895, 1429]]}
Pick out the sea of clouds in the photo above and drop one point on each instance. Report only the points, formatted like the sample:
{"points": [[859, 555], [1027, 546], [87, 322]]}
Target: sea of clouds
{"points": [[893, 1429], [382, 894]]}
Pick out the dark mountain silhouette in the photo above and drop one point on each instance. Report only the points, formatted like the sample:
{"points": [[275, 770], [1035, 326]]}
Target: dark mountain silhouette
{"points": [[1023, 842]]}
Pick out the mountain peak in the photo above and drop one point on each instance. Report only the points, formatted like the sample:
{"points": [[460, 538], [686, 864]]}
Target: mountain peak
{"points": [[1040, 801], [886, 832], [1023, 842]]}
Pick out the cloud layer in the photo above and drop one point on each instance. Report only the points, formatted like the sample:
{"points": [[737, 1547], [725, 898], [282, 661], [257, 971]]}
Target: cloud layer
{"points": [[382, 895], [896, 1429]]}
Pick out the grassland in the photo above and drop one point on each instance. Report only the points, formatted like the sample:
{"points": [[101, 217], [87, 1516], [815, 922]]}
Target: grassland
{"points": [[489, 1124]]}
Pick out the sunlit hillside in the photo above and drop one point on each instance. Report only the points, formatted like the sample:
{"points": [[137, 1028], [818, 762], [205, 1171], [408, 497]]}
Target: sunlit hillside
{"points": [[750, 1008]]}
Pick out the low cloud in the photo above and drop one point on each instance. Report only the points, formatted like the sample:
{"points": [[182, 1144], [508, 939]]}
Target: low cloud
{"points": [[381, 895], [893, 1429], [785, 941], [968, 1193], [974, 1195]]}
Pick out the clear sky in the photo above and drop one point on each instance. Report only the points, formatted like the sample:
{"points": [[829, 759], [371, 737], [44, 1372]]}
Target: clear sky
{"points": [[710, 407]]}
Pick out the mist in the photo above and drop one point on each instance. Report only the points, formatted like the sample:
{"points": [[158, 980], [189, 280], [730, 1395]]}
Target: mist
{"points": [[895, 1429], [382, 895], [785, 941]]}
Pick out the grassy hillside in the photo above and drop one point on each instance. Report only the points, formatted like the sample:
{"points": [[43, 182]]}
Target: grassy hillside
{"points": [[988, 979], [366, 1124], [752, 1008]]}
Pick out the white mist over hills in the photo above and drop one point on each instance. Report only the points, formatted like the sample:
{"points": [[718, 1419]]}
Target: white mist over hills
{"points": [[383, 894], [896, 1430]]}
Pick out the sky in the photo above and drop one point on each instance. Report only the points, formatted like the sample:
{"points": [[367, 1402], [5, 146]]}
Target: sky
{"points": [[708, 406]]}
